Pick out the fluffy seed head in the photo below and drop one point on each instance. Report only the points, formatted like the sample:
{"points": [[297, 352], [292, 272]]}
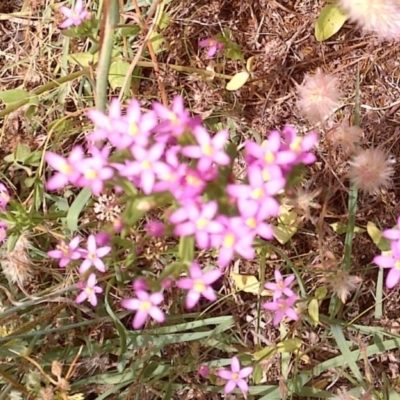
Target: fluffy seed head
{"points": [[382, 17], [17, 266], [342, 284], [371, 170], [345, 136], [318, 96]]}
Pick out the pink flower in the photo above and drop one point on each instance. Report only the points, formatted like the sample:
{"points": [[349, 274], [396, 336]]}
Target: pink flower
{"points": [[209, 150], [134, 128], [394, 233], [234, 238], [174, 121], [282, 308], [66, 167], [155, 228], [146, 167], [269, 152], [198, 219], [199, 284], [89, 290], [74, 16], [93, 256], [258, 189], [300, 145], [393, 262], [106, 126], [140, 284], [66, 253], [281, 286], [212, 46], [254, 216], [203, 370], [95, 170], [235, 376], [145, 305]]}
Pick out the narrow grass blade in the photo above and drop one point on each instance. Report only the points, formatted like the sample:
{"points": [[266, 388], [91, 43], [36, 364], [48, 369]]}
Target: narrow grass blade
{"points": [[76, 208], [337, 333]]}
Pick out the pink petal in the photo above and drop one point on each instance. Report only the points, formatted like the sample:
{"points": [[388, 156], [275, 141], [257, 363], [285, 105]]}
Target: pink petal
{"points": [[92, 280], [131, 304], [245, 372], [82, 296], [229, 387], [392, 278], [243, 386], [192, 299], [211, 276], [157, 314], [225, 374], [140, 319], [235, 365], [156, 298], [384, 261]]}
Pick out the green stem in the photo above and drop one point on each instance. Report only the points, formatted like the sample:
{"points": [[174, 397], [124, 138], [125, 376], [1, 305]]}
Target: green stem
{"points": [[353, 194], [103, 67]]}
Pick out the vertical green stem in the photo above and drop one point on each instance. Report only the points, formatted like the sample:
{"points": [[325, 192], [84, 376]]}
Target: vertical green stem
{"points": [[111, 19], [353, 194]]}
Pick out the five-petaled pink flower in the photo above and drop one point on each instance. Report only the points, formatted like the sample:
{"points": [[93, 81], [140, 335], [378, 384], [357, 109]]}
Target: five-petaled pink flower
{"points": [[75, 16], [281, 286], [198, 219], [235, 376], [199, 284], [391, 261], [212, 45], [282, 308], [66, 252], [67, 171], [93, 256], [145, 305], [209, 150], [89, 290]]}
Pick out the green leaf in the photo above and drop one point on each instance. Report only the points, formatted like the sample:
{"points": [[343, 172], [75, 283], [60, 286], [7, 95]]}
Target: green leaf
{"points": [[321, 292], [286, 228], [22, 152], [341, 228], [76, 208], [238, 80], [289, 345], [83, 59], [13, 95], [158, 41], [376, 235], [350, 360], [313, 310], [186, 249], [329, 22], [117, 73]]}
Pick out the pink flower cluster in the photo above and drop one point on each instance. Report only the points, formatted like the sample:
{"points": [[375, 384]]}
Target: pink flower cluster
{"points": [[91, 257], [4, 200], [166, 150], [283, 298], [197, 283], [392, 260]]}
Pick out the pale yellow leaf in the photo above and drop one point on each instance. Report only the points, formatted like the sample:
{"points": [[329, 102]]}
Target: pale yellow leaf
{"points": [[329, 22], [238, 80], [249, 284]]}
